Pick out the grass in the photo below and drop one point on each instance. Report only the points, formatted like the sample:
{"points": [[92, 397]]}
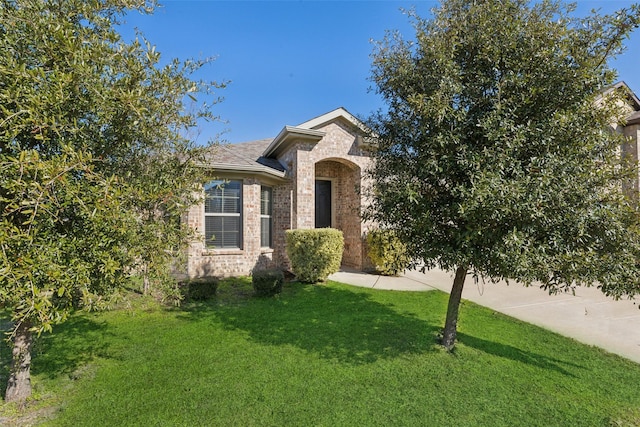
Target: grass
{"points": [[329, 355]]}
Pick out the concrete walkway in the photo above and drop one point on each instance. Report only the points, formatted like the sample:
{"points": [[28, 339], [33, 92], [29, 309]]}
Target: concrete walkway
{"points": [[589, 316]]}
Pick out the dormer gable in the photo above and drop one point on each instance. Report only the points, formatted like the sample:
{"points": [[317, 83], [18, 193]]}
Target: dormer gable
{"points": [[310, 130]]}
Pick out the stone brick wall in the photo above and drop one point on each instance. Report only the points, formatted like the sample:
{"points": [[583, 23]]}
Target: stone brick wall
{"points": [[337, 157], [345, 181], [203, 261]]}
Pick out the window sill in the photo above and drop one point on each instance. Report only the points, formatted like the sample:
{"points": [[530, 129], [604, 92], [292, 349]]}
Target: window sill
{"points": [[266, 250], [213, 252]]}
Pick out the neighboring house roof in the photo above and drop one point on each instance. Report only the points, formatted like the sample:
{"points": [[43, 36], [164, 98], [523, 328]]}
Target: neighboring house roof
{"points": [[260, 156], [634, 118], [632, 98]]}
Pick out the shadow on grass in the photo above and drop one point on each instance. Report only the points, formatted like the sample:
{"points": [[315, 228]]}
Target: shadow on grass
{"points": [[5, 352], [332, 323], [517, 355], [72, 345]]}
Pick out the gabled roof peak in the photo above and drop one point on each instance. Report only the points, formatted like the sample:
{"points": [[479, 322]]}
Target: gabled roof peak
{"points": [[338, 113], [309, 130]]}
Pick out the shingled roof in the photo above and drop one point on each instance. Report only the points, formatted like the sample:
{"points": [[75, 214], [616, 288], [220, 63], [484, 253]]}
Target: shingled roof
{"points": [[246, 157]]}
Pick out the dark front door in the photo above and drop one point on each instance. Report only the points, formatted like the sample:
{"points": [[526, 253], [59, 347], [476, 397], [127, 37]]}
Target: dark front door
{"points": [[323, 203]]}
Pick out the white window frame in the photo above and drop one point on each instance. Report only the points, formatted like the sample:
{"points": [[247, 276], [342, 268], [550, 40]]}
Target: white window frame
{"points": [[268, 216], [210, 244]]}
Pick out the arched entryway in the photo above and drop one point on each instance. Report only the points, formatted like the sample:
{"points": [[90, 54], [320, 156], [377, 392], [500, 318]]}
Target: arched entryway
{"points": [[337, 204]]}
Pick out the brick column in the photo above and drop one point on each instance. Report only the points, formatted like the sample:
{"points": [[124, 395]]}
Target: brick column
{"points": [[304, 203]]}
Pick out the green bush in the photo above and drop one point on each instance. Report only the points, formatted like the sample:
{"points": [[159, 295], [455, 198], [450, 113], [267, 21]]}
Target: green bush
{"points": [[199, 289], [315, 253], [387, 252], [267, 283]]}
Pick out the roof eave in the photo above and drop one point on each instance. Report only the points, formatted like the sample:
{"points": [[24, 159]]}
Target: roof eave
{"points": [[250, 169], [634, 121], [287, 135]]}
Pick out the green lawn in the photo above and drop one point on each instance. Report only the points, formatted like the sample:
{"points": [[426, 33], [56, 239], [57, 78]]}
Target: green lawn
{"points": [[329, 355]]}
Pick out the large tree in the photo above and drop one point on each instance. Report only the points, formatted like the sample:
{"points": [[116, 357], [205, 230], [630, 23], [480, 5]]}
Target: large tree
{"points": [[496, 156], [95, 166]]}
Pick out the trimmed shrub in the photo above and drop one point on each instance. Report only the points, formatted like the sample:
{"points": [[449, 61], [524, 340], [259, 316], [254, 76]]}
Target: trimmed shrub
{"points": [[387, 252], [314, 253], [200, 289], [267, 283]]}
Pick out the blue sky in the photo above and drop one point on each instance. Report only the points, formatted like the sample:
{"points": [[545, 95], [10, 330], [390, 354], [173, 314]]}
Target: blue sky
{"points": [[290, 61]]}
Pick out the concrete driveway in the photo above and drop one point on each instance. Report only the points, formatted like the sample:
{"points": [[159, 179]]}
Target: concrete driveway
{"points": [[588, 316]]}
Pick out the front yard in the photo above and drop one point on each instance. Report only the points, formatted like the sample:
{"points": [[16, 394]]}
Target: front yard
{"points": [[328, 355]]}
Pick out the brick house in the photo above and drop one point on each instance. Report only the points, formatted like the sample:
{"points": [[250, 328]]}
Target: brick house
{"points": [[308, 176]]}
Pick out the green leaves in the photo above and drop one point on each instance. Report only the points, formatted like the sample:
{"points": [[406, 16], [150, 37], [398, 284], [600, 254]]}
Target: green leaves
{"points": [[497, 148], [94, 165]]}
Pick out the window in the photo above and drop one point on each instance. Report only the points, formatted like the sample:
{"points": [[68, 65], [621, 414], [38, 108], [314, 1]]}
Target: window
{"points": [[222, 218], [266, 220]]}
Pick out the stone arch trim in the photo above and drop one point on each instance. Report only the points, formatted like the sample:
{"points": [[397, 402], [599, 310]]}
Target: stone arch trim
{"points": [[345, 177]]}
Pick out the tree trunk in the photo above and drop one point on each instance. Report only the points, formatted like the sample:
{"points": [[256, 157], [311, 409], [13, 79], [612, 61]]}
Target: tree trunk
{"points": [[451, 324], [146, 286], [19, 383]]}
